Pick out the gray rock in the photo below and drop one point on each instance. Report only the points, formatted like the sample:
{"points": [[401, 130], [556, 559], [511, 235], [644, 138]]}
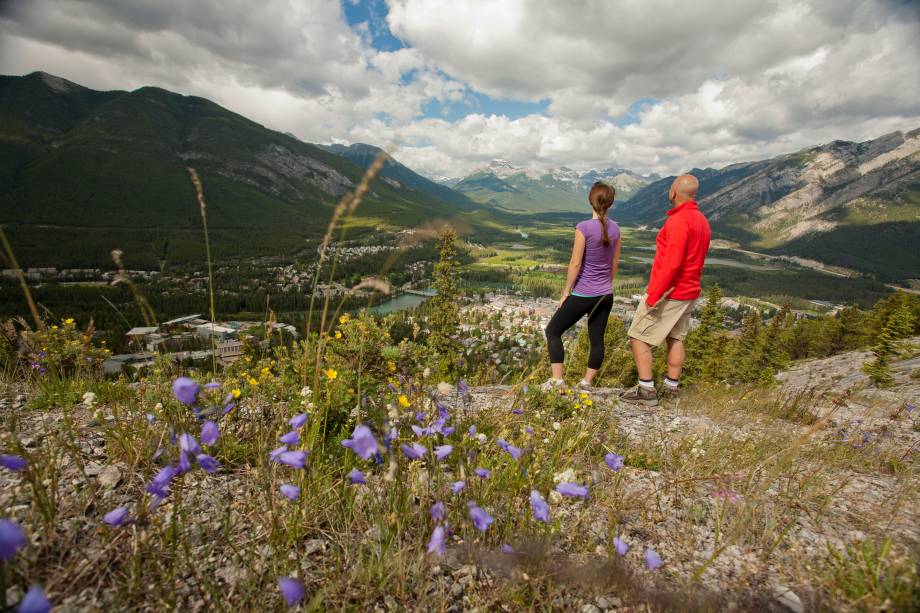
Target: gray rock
{"points": [[609, 602], [110, 476], [92, 469], [589, 608]]}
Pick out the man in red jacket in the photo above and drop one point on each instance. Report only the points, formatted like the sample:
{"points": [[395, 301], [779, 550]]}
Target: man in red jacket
{"points": [[674, 286]]}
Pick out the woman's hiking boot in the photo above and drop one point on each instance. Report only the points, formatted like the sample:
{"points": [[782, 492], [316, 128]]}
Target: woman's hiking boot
{"points": [[552, 384], [639, 394]]}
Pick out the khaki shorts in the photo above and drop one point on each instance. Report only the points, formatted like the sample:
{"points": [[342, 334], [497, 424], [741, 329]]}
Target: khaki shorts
{"points": [[667, 319]]}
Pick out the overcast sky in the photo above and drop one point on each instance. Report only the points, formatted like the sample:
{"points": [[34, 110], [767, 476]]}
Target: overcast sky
{"points": [[650, 85]]}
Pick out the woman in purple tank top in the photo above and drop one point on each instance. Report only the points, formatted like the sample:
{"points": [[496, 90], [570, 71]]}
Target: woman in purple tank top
{"points": [[588, 286]]}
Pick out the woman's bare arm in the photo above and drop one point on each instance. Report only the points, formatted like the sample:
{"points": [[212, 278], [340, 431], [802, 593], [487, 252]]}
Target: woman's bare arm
{"points": [[578, 252], [616, 261]]}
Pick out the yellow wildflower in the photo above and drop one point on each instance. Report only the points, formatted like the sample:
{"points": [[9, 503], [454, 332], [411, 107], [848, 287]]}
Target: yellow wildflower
{"points": [[343, 319], [331, 374], [403, 401], [68, 321], [251, 380], [338, 334], [54, 327], [589, 402], [236, 393], [391, 365], [577, 405]]}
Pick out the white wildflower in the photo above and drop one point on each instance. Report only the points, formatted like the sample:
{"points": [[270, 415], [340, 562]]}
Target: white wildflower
{"points": [[89, 400], [556, 426], [306, 392], [567, 475]]}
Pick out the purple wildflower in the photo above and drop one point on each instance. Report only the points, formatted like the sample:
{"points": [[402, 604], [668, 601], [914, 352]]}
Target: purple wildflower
{"points": [[184, 463], [213, 385], [471, 431], [188, 444], [298, 421], [415, 451], [539, 506], [14, 463], [12, 539], [290, 438], [34, 601], [276, 453], [356, 477], [442, 451], [289, 491], [208, 463], [292, 590], [572, 490], [436, 543], [911, 407], [528, 430], [614, 462], [514, 452], [442, 410], [209, 433], [463, 387], [652, 559], [419, 432], [728, 495], [150, 418], [507, 549], [161, 482], [437, 511], [480, 518], [230, 406], [295, 459], [457, 486], [517, 412], [362, 442], [116, 517], [483, 473], [185, 390], [620, 546]]}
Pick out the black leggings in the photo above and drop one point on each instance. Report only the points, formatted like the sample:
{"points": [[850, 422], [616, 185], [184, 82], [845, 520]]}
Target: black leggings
{"points": [[573, 309]]}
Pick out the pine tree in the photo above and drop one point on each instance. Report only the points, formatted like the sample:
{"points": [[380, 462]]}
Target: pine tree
{"points": [[749, 348], [775, 353], [445, 317], [706, 359]]}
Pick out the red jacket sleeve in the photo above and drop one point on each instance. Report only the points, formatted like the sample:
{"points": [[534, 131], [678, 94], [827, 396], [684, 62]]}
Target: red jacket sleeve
{"points": [[672, 259]]}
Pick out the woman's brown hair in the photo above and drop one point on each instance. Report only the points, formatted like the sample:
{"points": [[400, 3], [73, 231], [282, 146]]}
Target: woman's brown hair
{"points": [[601, 198]]}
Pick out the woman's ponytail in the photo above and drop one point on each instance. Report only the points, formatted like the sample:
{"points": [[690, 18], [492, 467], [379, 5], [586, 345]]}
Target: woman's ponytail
{"points": [[601, 198]]}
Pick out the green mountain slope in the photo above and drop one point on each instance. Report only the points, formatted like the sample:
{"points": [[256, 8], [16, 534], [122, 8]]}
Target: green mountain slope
{"points": [[85, 172]]}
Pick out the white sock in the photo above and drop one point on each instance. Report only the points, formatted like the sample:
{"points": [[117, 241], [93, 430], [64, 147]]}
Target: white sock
{"points": [[584, 382], [647, 384], [671, 382]]}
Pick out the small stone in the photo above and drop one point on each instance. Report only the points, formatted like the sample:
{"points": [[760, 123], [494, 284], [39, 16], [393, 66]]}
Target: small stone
{"points": [[110, 476], [609, 602], [314, 546], [92, 469], [787, 598], [589, 608]]}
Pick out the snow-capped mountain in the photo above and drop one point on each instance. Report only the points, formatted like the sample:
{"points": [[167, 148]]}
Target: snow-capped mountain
{"points": [[520, 189]]}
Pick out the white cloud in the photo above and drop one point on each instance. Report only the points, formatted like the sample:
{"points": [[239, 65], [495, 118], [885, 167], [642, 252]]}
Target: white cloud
{"points": [[727, 81]]}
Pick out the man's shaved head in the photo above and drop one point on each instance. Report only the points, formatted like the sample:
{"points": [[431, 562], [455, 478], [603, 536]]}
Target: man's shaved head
{"points": [[682, 189]]}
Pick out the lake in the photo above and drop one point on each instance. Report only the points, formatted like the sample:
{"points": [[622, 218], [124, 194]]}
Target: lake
{"points": [[399, 303]]}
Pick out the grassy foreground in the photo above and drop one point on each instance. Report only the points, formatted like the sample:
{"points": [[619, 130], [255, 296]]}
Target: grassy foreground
{"points": [[733, 498]]}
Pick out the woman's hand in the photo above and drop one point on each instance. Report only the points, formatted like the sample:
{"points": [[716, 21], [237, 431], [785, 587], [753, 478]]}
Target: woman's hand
{"points": [[561, 300]]}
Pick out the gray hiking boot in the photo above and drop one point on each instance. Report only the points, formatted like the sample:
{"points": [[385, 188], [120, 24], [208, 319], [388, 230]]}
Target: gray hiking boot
{"points": [[553, 384], [640, 395], [585, 386]]}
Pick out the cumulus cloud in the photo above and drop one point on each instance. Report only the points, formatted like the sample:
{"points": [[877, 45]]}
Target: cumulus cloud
{"points": [[718, 82]]}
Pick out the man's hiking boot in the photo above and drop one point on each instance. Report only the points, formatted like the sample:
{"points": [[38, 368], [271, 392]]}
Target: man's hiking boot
{"points": [[640, 395], [670, 392]]}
